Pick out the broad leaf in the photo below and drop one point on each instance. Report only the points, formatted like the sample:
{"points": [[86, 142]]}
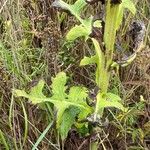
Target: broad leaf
{"points": [[82, 30], [62, 102], [68, 120], [106, 103], [89, 60], [108, 100], [112, 100]]}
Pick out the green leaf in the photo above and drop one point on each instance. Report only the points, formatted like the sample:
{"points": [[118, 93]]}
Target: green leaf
{"points": [[36, 95], [68, 120], [129, 5], [37, 90], [74, 9], [125, 4], [97, 24], [87, 23], [61, 4], [61, 107], [58, 86], [76, 97], [41, 137], [100, 71], [112, 104], [79, 95], [112, 97], [112, 100], [20, 93], [108, 100], [77, 31], [89, 60], [79, 5], [120, 16]]}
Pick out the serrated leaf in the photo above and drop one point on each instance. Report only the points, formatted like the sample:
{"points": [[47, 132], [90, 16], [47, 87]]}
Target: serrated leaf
{"points": [[36, 95], [58, 86], [20, 93], [76, 32], [37, 90], [106, 103], [89, 60], [68, 120], [79, 95], [113, 97], [60, 99], [108, 100], [129, 5]]}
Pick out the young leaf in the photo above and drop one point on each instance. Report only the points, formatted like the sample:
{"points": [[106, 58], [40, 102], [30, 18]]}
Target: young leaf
{"points": [[108, 100], [120, 16], [74, 9], [61, 4], [113, 97], [113, 103], [89, 60], [129, 5], [79, 5], [77, 31], [97, 24]]}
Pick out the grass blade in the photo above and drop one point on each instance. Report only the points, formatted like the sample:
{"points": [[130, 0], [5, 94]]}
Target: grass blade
{"points": [[42, 136], [3, 140]]}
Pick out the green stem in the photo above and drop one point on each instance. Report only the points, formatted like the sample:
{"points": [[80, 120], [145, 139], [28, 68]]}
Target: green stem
{"points": [[104, 62], [110, 31]]}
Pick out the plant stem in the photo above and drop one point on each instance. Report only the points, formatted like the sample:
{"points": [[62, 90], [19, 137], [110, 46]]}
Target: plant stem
{"points": [[103, 67], [109, 38]]}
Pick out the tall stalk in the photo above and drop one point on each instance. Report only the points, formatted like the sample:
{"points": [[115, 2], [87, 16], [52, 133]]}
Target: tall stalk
{"points": [[112, 11]]}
